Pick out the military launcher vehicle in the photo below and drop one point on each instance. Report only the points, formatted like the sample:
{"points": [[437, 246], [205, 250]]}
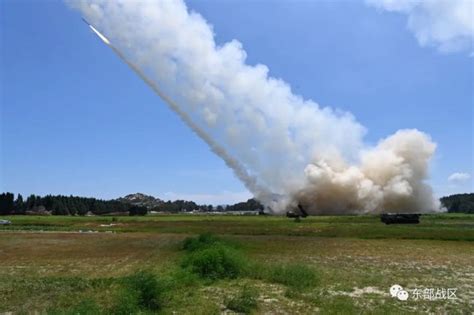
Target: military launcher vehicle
{"points": [[297, 214], [400, 218]]}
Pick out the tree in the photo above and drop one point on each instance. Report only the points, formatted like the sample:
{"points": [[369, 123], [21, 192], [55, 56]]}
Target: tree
{"points": [[48, 202], [31, 202], [7, 204], [72, 205], [58, 207], [250, 204], [137, 210], [19, 204], [82, 208], [38, 201]]}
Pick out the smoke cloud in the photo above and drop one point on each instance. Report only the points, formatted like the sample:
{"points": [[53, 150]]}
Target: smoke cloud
{"points": [[285, 149]]}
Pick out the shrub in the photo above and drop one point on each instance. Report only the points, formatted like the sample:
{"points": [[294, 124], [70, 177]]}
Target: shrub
{"points": [[245, 302], [215, 262], [144, 288], [202, 241]]}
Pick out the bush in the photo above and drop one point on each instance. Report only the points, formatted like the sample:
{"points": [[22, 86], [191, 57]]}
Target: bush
{"points": [[142, 290], [245, 302], [202, 241], [215, 262]]}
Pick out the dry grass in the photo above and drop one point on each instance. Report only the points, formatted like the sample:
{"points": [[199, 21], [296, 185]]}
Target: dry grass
{"points": [[84, 254], [39, 270]]}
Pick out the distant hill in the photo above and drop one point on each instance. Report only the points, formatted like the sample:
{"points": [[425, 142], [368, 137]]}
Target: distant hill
{"points": [[459, 203], [141, 200]]}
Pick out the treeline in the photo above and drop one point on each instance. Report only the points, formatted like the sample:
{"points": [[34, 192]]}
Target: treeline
{"points": [[250, 204], [463, 203], [187, 206], [72, 205], [182, 205], [63, 205]]}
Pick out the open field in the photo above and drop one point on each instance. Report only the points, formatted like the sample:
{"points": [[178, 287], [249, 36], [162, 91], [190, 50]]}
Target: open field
{"points": [[47, 265]]}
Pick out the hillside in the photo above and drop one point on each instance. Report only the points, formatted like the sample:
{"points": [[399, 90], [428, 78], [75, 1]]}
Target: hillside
{"points": [[142, 200]]}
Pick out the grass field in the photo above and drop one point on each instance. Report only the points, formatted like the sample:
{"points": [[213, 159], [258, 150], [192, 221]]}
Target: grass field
{"points": [[327, 265]]}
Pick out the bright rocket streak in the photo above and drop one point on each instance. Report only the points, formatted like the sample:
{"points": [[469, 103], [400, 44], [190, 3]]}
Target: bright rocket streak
{"points": [[249, 181], [102, 37]]}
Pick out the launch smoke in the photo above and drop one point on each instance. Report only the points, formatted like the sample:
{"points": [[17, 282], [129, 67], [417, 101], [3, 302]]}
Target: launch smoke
{"points": [[285, 149]]}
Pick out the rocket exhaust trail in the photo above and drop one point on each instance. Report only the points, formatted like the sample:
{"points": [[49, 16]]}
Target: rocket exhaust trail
{"points": [[249, 181], [287, 150]]}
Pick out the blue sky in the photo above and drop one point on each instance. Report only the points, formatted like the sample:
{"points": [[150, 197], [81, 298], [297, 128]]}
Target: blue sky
{"points": [[76, 120]]}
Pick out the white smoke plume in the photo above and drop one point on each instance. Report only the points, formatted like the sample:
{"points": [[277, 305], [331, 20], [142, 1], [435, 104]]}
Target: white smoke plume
{"points": [[285, 149]]}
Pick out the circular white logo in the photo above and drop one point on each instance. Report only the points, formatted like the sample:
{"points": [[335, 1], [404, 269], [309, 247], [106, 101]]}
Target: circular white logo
{"points": [[397, 291], [402, 295], [394, 289]]}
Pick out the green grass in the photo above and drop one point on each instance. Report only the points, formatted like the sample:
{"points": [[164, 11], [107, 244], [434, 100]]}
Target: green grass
{"points": [[145, 290], [245, 302], [437, 226], [200, 242], [84, 307], [293, 275], [325, 265]]}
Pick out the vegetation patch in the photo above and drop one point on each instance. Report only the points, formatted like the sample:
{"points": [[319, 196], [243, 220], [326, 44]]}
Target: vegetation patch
{"points": [[216, 262], [245, 302], [81, 273], [294, 276], [202, 241], [212, 258], [85, 307], [141, 290], [338, 305]]}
